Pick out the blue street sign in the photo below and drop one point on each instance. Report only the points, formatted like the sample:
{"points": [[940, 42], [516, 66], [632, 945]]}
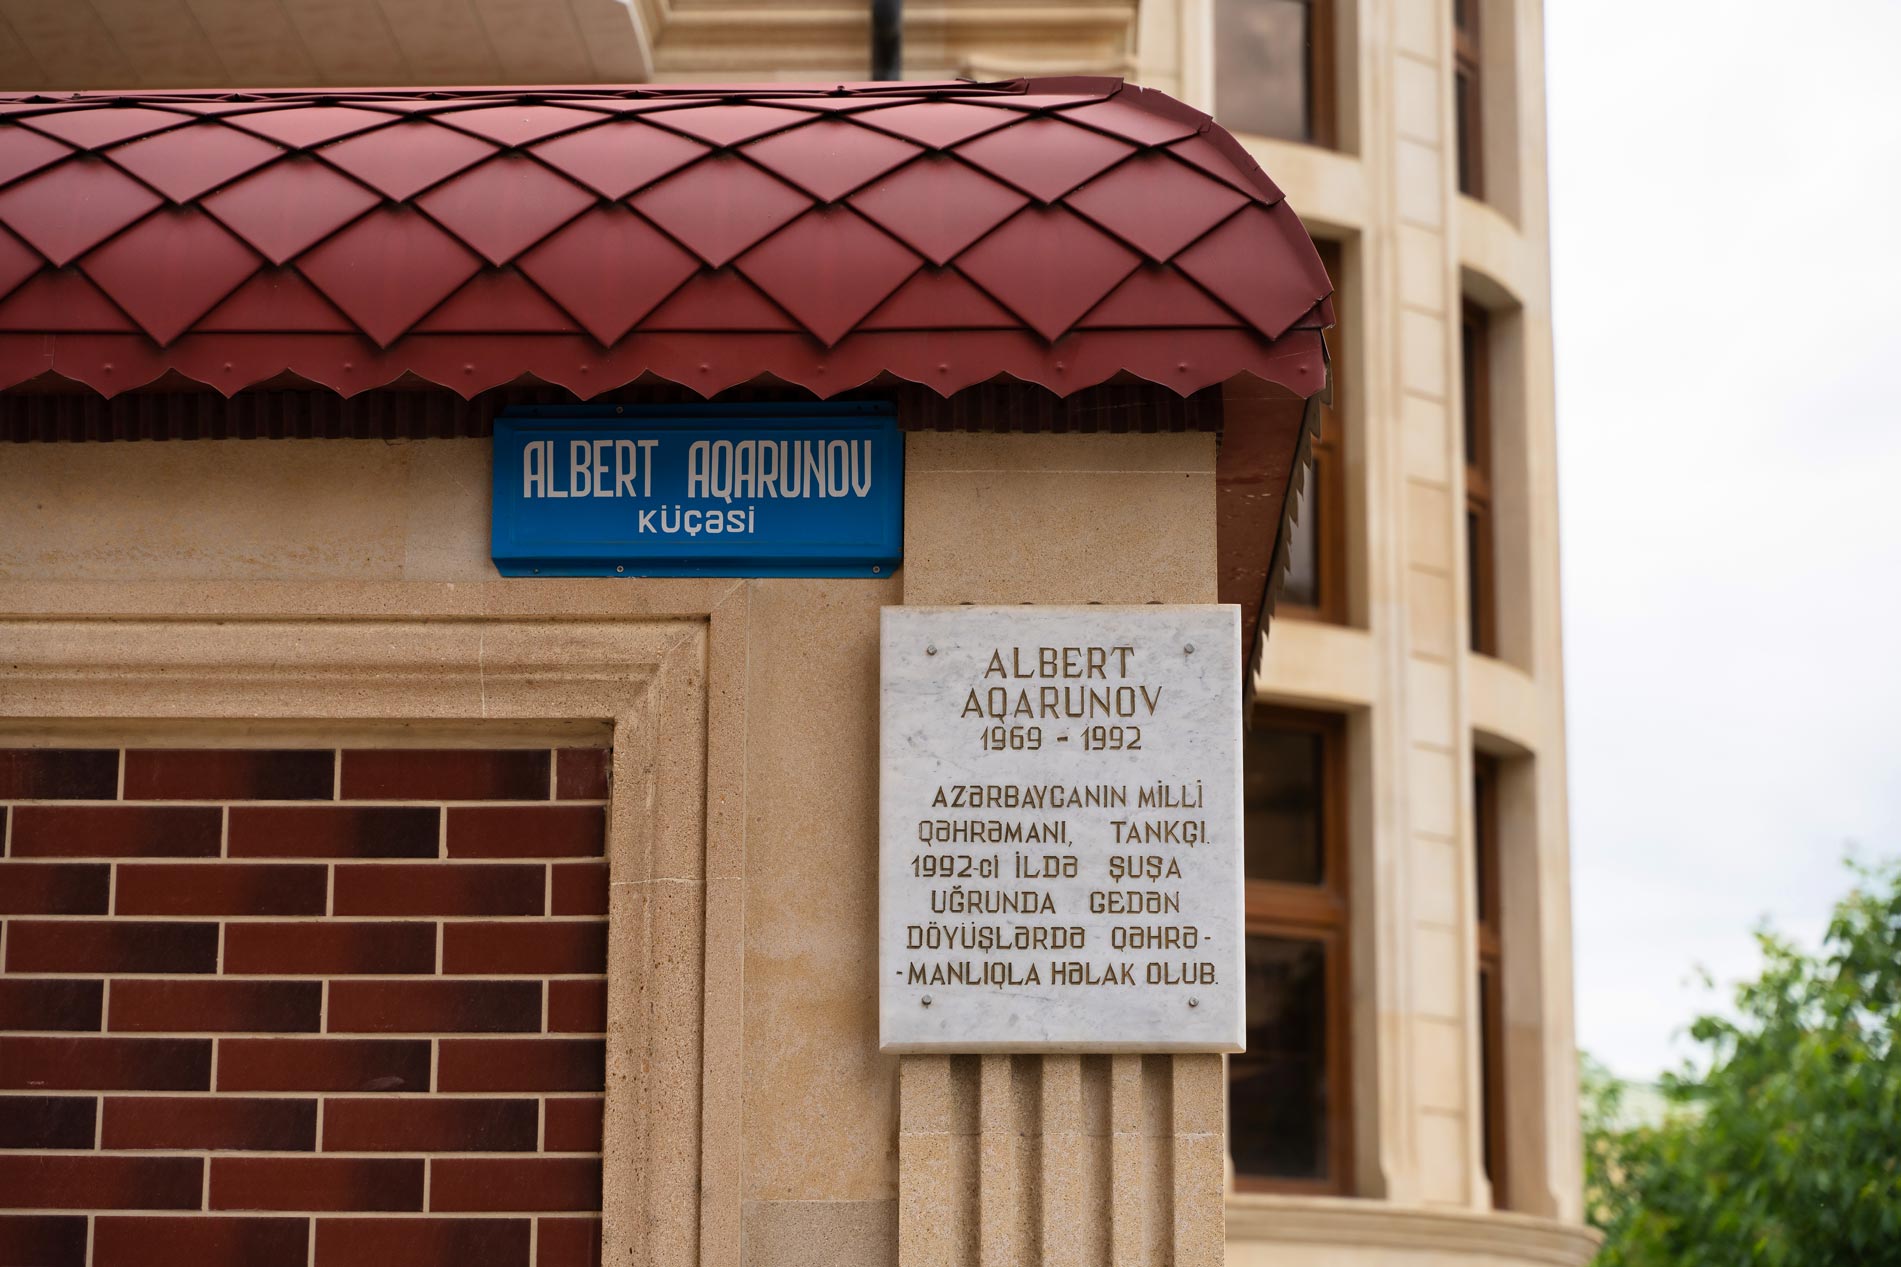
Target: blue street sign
{"points": [[698, 490]]}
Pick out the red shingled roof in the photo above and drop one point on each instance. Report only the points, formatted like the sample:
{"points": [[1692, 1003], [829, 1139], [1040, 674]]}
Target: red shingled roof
{"points": [[1063, 232]]}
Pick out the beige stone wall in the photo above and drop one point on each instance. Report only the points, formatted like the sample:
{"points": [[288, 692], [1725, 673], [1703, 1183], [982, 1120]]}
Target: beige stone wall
{"points": [[816, 1150], [1060, 1159], [363, 557]]}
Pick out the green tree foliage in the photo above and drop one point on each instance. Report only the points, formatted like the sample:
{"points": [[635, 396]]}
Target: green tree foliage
{"points": [[1782, 1142]]}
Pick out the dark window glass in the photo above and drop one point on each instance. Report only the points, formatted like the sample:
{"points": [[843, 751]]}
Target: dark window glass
{"points": [[1289, 1095], [1466, 97], [1470, 332], [1486, 863], [1475, 378], [1278, 1091], [1284, 784], [1262, 55], [1477, 577], [1489, 1079], [1463, 96], [1314, 586], [1302, 587], [1485, 837]]}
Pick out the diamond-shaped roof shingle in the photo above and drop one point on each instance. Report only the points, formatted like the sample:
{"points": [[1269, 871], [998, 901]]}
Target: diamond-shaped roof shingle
{"points": [[1059, 231]]}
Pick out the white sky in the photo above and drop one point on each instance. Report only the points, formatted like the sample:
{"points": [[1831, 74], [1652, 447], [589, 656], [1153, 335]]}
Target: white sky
{"points": [[1726, 256]]}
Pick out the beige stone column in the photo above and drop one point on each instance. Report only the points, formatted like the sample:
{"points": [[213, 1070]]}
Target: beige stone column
{"points": [[1408, 129], [1060, 1161]]}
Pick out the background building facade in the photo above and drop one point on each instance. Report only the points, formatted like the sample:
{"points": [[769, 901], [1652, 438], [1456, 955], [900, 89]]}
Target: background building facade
{"points": [[1410, 1086], [1408, 824]]}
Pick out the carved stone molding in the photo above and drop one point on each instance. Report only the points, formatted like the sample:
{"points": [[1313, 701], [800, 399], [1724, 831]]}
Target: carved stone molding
{"points": [[665, 677]]}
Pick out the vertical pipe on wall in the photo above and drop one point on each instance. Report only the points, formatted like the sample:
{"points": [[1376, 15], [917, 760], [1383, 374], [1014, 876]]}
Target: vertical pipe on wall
{"points": [[887, 39]]}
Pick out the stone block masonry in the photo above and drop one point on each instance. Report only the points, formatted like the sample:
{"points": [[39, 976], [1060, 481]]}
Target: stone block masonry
{"points": [[314, 1006]]}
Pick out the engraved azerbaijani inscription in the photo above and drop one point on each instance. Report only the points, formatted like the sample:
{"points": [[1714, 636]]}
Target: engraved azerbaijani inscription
{"points": [[1060, 823]]}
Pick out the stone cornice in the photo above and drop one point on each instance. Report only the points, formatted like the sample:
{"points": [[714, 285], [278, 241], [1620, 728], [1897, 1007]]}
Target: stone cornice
{"points": [[1343, 1221], [728, 36]]}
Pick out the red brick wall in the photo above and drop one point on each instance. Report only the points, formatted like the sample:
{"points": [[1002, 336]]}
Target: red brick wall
{"points": [[302, 1007]]}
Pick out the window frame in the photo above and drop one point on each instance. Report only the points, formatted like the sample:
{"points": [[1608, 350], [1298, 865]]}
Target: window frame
{"points": [[1316, 913], [1475, 338], [1321, 104], [1468, 98], [1488, 873], [1329, 472], [1323, 93]]}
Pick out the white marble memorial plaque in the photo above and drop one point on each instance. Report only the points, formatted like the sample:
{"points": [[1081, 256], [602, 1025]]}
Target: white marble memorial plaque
{"points": [[1060, 829]]}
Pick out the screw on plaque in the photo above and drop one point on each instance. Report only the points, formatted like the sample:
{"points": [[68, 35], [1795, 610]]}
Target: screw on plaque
{"points": [[1193, 1001], [926, 1000], [931, 649], [620, 567], [1188, 648]]}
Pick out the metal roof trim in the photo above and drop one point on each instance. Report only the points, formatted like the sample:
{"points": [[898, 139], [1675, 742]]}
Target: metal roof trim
{"points": [[386, 265]]}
